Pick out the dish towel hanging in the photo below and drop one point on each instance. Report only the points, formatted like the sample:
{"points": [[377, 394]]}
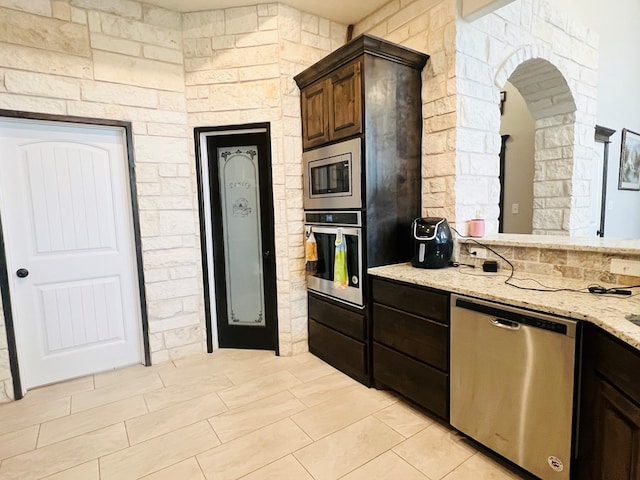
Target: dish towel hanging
{"points": [[311, 254], [340, 273]]}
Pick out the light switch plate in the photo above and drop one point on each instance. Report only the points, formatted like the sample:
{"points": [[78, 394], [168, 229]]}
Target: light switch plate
{"points": [[625, 267]]}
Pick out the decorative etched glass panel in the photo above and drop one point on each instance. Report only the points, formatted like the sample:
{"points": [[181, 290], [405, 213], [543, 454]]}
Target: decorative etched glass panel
{"points": [[239, 196]]}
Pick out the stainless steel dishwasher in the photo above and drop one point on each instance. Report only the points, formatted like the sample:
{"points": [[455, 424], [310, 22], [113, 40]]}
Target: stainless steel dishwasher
{"points": [[511, 379]]}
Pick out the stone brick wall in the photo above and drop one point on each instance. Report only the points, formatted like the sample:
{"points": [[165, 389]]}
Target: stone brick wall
{"points": [[120, 60], [534, 45], [167, 73], [240, 64], [429, 26]]}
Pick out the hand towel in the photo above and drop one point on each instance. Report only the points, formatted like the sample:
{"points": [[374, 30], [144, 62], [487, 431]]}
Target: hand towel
{"points": [[340, 273]]}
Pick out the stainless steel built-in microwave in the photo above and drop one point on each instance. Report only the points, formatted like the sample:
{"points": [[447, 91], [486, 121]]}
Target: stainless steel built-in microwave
{"points": [[331, 176]]}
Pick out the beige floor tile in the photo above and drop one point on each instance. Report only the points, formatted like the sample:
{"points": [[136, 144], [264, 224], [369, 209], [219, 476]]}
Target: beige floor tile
{"points": [[344, 451], [405, 420], [446, 450], [202, 372], [243, 420], [344, 409], [172, 418], [387, 466], [245, 371], [187, 470], [243, 455], [20, 441], [90, 420], [28, 412], [480, 467], [113, 393], [178, 393], [86, 471], [311, 369], [64, 455], [124, 375], [287, 468], [62, 389], [158, 453], [262, 387], [322, 389]]}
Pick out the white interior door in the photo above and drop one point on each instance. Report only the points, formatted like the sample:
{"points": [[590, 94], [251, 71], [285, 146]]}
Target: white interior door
{"points": [[66, 215]]}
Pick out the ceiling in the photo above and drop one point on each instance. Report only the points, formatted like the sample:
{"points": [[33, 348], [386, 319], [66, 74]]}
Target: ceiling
{"points": [[341, 11]]}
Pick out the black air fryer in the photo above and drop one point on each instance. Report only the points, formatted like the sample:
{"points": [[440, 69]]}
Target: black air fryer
{"points": [[433, 243]]}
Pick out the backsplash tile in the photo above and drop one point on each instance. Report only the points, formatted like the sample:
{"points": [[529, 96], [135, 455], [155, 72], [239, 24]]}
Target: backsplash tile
{"points": [[590, 266]]}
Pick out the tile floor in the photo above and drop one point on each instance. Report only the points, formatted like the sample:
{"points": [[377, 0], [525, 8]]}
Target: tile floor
{"points": [[234, 414]]}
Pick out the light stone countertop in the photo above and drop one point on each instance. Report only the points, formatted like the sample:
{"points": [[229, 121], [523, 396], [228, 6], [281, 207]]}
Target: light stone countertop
{"points": [[606, 311]]}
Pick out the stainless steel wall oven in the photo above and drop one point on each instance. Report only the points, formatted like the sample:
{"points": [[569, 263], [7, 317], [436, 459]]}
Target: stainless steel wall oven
{"points": [[326, 226]]}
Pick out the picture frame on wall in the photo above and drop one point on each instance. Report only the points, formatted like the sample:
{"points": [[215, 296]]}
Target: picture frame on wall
{"points": [[629, 178]]}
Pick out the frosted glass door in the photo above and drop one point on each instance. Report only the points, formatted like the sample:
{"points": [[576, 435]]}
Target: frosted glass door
{"points": [[239, 196]]}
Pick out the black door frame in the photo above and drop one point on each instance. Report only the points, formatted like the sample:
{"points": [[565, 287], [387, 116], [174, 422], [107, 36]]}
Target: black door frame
{"points": [[4, 276], [266, 225]]}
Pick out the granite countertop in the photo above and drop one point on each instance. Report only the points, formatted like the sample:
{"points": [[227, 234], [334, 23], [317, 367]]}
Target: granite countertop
{"points": [[606, 311]]}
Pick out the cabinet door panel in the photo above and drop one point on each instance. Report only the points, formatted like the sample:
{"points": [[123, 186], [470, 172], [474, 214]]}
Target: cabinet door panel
{"points": [[345, 99], [619, 451], [416, 300], [418, 382], [345, 321], [420, 338], [344, 353], [315, 117]]}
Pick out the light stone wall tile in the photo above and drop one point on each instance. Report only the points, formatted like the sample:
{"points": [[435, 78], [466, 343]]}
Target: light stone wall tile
{"points": [[184, 336], [32, 104], [163, 54], [36, 60], [161, 17], [61, 9], [41, 85], [31, 30], [111, 67], [39, 7], [203, 24], [257, 38], [116, 45], [240, 20], [122, 94], [124, 8], [140, 32]]}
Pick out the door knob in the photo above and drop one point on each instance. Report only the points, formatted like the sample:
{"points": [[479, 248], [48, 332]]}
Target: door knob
{"points": [[22, 272]]}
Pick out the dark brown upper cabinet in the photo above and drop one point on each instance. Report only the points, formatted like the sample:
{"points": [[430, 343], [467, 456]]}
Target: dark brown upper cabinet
{"points": [[342, 91]]}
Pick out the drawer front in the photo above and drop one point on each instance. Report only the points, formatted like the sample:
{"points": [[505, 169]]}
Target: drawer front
{"points": [[615, 361], [418, 382], [344, 353], [418, 337], [345, 321], [417, 300]]}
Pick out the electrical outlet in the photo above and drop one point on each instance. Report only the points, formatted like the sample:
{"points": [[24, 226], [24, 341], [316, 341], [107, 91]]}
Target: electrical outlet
{"points": [[515, 208], [625, 267], [478, 252]]}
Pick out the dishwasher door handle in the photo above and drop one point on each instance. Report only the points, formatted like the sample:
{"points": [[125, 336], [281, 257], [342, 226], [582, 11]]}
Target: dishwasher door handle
{"points": [[506, 324]]}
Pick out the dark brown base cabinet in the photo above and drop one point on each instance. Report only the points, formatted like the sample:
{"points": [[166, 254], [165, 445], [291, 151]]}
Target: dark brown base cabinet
{"points": [[411, 343], [609, 431], [338, 335]]}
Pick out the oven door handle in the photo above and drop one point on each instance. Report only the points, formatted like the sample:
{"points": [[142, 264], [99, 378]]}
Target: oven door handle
{"points": [[334, 230]]}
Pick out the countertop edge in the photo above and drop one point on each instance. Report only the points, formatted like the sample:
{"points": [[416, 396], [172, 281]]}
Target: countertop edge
{"points": [[607, 312]]}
